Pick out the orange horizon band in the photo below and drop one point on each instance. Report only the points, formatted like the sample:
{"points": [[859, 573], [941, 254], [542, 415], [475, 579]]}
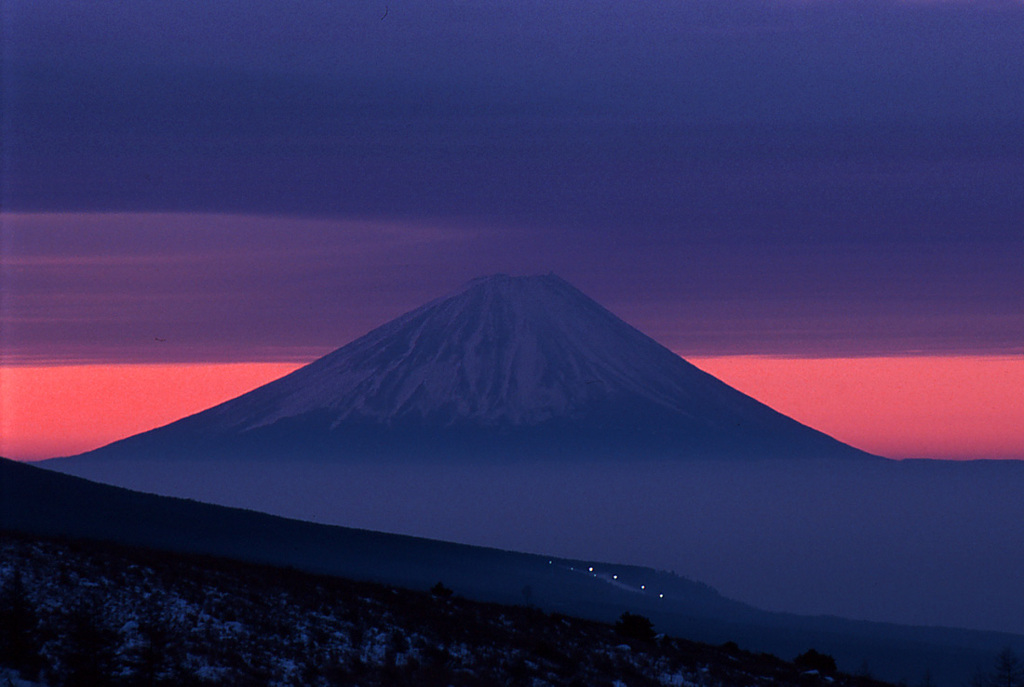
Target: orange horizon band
{"points": [[949, 407]]}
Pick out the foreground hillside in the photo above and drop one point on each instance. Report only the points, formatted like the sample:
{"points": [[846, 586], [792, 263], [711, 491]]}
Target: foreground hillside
{"points": [[48, 504], [103, 614]]}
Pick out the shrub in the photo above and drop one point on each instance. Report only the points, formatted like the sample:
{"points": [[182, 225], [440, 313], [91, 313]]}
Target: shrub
{"points": [[812, 660], [632, 626], [19, 628], [440, 591]]}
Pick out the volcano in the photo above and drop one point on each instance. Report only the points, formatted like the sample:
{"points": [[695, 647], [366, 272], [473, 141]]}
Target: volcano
{"points": [[518, 414], [505, 366]]}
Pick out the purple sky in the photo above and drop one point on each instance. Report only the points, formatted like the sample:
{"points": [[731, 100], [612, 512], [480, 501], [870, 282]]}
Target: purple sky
{"points": [[811, 178]]}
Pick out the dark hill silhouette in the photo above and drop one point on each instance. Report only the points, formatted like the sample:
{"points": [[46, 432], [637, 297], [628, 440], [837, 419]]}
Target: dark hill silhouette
{"points": [[40, 502]]}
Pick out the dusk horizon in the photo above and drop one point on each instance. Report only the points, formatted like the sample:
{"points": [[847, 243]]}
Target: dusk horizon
{"points": [[826, 393], [705, 316], [902, 405], [746, 182]]}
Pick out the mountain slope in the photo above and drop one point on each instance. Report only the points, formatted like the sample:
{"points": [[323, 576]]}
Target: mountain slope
{"points": [[504, 365], [41, 502], [174, 619]]}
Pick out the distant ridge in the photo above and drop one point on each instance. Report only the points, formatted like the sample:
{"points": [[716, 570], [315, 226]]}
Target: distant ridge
{"points": [[503, 366]]}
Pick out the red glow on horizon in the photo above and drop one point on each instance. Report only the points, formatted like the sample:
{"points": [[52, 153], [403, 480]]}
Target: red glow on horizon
{"points": [[899, 407], [49, 411], [949, 407]]}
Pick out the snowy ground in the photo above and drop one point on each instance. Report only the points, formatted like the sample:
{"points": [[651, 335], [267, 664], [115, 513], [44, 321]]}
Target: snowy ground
{"points": [[109, 615]]}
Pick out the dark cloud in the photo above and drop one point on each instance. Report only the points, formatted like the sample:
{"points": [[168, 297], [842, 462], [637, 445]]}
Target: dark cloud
{"points": [[228, 287], [775, 176]]}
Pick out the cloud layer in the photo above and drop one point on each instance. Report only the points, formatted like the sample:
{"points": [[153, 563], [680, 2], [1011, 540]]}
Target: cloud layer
{"points": [[812, 177]]}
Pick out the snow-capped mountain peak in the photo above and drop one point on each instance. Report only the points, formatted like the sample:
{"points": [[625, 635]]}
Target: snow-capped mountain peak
{"points": [[502, 360], [501, 351]]}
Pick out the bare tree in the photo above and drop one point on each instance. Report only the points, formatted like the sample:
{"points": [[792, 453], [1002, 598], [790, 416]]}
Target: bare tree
{"points": [[1009, 671], [19, 638]]}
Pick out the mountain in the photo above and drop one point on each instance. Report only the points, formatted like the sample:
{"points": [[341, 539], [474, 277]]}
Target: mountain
{"points": [[472, 420], [504, 366], [41, 503]]}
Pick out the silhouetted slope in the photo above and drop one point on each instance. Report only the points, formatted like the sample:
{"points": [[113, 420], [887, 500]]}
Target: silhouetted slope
{"points": [[502, 366], [42, 502], [176, 619], [37, 501]]}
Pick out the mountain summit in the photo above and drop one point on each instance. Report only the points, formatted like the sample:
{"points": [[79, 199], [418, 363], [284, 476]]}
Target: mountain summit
{"points": [[501, 364], [502, 352]]}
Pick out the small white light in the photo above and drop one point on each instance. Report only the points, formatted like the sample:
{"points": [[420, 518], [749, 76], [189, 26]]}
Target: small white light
{"points": [[591, 568], [661, 596], [643, 586], [615, 577]]}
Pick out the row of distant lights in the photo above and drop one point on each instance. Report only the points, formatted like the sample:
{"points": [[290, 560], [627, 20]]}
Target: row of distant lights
{"points": [[643, 587]]}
